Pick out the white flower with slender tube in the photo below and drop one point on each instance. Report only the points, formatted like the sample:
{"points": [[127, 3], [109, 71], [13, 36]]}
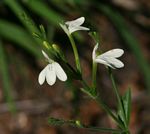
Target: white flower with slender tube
{"points": [[109, 58], [50, 72], [75, 25]]}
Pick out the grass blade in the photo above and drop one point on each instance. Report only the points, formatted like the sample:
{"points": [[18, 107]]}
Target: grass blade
{"points": [[127, 104], [43, 10], [22, 15], [18, 35], [7, 85]]}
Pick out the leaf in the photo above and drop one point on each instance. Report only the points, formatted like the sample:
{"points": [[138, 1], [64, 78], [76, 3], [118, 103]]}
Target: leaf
{"points": [[18, 35], [126, 101], [19, 11], [44, 11], [7, 85], [127, 105]]}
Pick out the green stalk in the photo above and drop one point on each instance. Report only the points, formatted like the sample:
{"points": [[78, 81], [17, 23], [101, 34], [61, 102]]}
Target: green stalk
{"points": [[102, 104], [109, 112], [118, 97], [78, 124], [94, 71], [99, 129], [76, 55]]}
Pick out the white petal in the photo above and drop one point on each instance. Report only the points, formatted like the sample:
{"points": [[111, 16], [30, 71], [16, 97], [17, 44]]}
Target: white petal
{"points": [[94, 51], [76, 22], [50, 74], [103, 62], [112, 53], [42, 75], [73, 29], [115, 63], [60, 72]]}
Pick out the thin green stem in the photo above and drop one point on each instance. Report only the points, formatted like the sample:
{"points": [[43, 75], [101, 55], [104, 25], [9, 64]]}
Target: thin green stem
{"points": [[78, 124], [99, 129], [102, 104], [94, 71], [118, 96], [109, 112], [75, 53]]}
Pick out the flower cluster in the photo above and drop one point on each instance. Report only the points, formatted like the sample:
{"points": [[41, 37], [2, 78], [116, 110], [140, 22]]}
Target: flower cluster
{"points": [[53, 69]]}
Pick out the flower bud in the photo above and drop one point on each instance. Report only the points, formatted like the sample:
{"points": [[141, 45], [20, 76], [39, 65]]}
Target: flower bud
{"points": [[58, 50], [46, 44]]}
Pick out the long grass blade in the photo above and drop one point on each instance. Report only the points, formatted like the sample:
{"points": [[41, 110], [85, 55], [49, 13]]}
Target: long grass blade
{"points": [[46, 12], [20, 12], [19, 36], [6, 82]]}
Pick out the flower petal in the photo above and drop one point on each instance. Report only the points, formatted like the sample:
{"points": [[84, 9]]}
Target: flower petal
{"points": [[60, 72], [42, 75], [115, 63], [50, 74], [94, 51], [73, 29], [76, 22], [98, 60], [112, 53]]}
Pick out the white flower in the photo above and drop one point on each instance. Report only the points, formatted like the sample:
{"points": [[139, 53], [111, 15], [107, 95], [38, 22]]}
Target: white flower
{"points": [[74, 25], [108, 58], [50, 72]]}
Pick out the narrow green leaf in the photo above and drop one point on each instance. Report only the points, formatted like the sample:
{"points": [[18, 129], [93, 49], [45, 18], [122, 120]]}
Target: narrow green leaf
{"points": [[126, 101], [7, 85], [46, 12], [22, 15], [20, 36], [127, 104]]}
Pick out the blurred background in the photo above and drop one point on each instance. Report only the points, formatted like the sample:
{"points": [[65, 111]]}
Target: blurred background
{"points": [[25, 105]]}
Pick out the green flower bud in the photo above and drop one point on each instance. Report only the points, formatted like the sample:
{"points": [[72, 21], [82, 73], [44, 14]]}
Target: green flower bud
{"points": [[78, 123], [46, 44], [59, 51]]}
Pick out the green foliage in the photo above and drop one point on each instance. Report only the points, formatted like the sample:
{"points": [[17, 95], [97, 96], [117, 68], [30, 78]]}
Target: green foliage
{"points": [[7, 85], [21, 35], [78, 124]]}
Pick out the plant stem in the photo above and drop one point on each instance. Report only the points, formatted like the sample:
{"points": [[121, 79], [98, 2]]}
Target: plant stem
{"points": [[102, 104], [94, 71], [75, 53], [109, 112], [99, 129]]}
